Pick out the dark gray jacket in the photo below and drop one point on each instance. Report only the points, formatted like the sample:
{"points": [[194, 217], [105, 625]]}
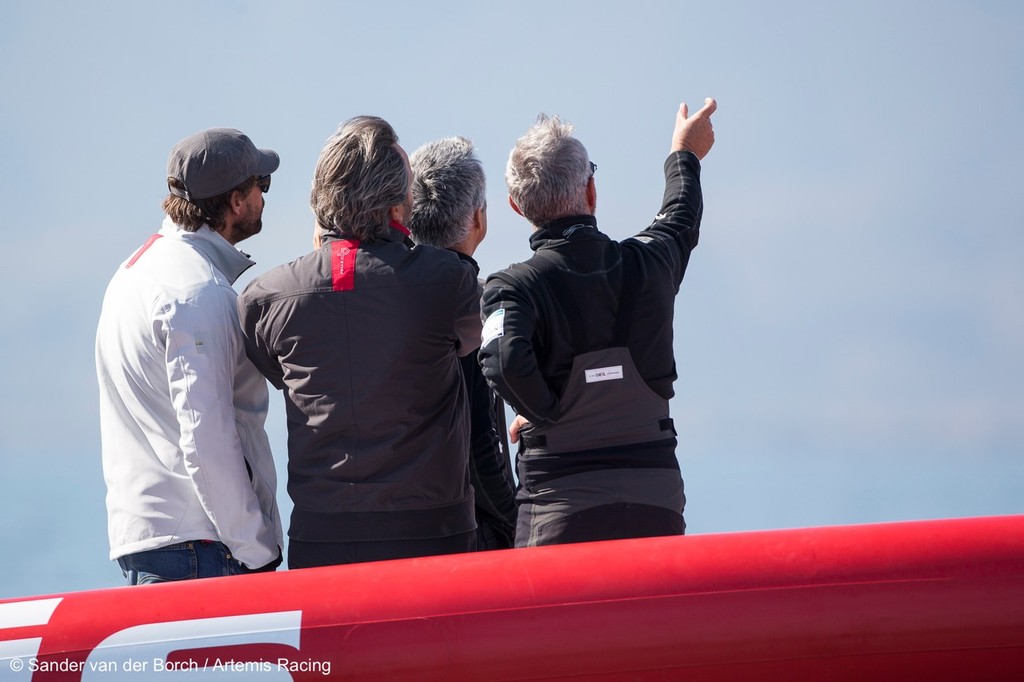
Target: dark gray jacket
{"points": [[365, 340]]}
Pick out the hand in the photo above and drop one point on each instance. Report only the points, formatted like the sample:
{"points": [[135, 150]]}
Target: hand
{"points": [[694, 133], [513, 430]]}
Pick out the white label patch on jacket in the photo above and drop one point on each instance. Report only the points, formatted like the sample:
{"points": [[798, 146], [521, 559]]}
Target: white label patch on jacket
{"points": [[493, 327], [603, 374]]}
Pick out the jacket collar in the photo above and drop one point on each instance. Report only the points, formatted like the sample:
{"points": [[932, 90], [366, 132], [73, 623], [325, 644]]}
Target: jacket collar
{"points": [[468, 259], [397, 233], [228, 260], [564, 228]]}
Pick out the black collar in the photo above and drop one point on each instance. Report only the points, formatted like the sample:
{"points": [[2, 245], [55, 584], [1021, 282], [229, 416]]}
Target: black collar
{"points": [[564, 228], [468, 259]]}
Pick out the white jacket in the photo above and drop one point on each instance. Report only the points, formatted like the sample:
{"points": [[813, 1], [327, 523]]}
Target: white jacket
{"points": [[181, 407]]}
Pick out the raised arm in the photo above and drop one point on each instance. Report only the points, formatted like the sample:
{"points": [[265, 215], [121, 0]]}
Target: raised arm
{"points": [[667, 242]]}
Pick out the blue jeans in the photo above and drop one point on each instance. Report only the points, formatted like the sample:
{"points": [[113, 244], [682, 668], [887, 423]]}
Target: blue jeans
{"points": [[183, 561]]}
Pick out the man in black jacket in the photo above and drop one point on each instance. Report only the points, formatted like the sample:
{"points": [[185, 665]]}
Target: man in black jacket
{"points": [[364, 336], [449, 211], [578, 339]]}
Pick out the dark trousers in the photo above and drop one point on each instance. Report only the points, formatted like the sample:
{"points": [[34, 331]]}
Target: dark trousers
{"points": [[607, 522], [311, 554]]}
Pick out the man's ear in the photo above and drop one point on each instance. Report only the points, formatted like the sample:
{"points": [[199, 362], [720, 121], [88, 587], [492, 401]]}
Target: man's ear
{"points": [[236, 201], [514, 205], [591, 195], [396, 214]]}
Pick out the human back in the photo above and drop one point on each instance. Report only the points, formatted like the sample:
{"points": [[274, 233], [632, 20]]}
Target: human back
{"points": [[614, 293], [371, 380]]}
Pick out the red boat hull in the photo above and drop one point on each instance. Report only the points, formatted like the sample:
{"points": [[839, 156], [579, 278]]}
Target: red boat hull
{"points": [[929, 600]]}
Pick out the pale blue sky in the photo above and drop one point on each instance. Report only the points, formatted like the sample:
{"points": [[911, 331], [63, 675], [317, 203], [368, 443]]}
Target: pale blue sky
{"points": [[849, 332]]}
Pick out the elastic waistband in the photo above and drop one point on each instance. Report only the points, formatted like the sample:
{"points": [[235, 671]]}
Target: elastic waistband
{"points": [[537, 468], [438, 522]]}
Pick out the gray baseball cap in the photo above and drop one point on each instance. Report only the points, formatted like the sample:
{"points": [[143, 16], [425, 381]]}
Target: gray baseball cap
{"points": [[216, 160]]}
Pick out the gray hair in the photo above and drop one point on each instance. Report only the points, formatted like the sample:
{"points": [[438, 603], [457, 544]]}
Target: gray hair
{"points": [[359, 176], [448, 187], [547, 172]]}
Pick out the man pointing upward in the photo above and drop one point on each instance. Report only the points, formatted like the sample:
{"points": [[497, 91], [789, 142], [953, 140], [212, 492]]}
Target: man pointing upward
{"points": [[578, 339]]}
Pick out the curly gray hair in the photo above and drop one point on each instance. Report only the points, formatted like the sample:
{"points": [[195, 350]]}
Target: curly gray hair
{"points": [[448, 186]]}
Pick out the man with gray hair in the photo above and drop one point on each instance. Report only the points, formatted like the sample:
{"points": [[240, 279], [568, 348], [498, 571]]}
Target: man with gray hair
{"points": [[578, 339], [364, 336], [449, 211]]}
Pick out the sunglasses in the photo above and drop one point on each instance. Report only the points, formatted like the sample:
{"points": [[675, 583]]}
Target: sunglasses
{"points": [[263, 182]]}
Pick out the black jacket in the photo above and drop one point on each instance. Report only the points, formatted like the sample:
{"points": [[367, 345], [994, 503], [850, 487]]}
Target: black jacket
{"points": [[490, 470]]}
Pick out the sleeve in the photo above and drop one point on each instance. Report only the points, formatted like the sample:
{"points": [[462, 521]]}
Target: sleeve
{"points": [[257, 348], [489, 469], [467, 310], [507, 355], [203, 346], [675, 230]]}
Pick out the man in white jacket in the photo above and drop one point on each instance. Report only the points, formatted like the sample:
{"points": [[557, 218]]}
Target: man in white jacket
{"points": [[191, 483]]}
